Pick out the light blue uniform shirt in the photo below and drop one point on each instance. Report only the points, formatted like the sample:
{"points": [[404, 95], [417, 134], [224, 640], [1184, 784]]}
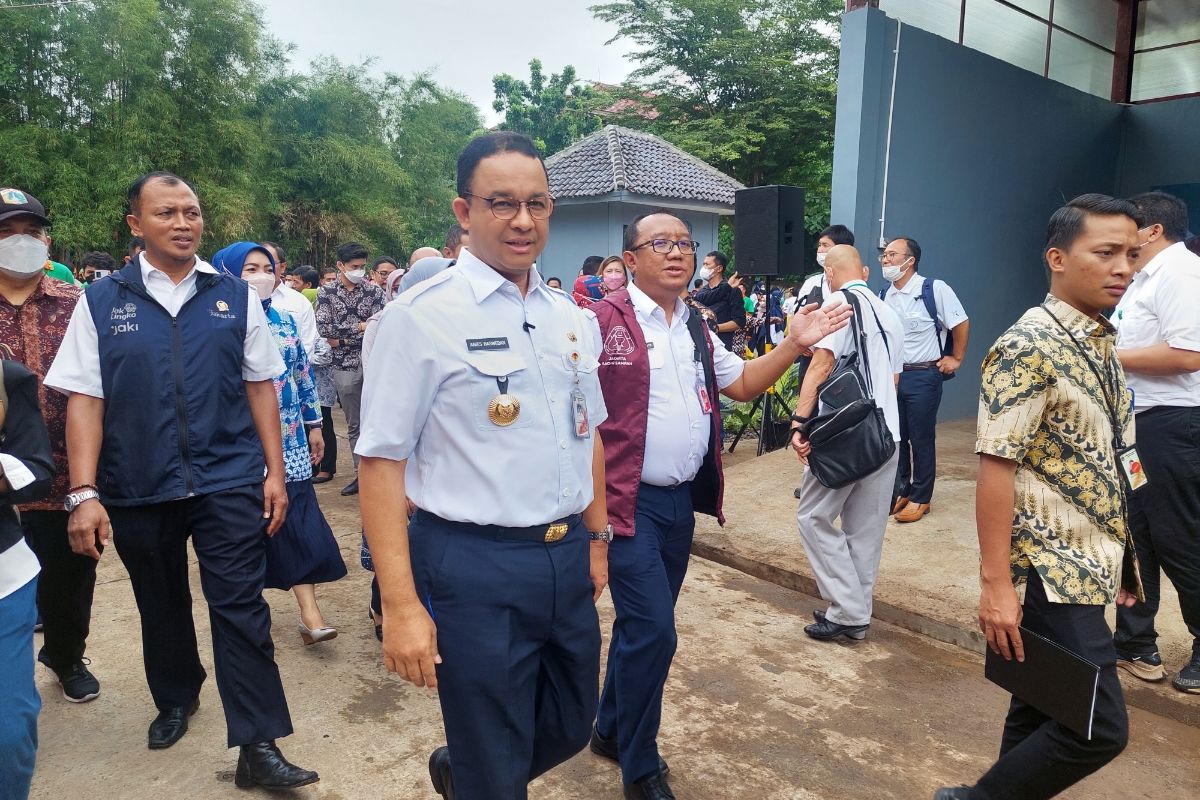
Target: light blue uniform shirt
{"points": [[440, 352]]}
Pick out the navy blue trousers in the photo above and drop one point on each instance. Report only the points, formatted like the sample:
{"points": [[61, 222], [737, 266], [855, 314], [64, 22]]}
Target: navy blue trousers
{"points": [[920, 394], [19, 698], [520, 644], [229, 536], [645, 574]]}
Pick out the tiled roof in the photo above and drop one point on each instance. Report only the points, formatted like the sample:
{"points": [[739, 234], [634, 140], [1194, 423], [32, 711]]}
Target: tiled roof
{"points": [[615, 159]]}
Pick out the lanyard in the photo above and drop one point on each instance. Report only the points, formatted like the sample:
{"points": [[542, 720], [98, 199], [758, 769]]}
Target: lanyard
{"points": [[1105, 385]]}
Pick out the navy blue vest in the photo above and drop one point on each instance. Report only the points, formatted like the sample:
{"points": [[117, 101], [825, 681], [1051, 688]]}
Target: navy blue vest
{"points": [[176, 419]]}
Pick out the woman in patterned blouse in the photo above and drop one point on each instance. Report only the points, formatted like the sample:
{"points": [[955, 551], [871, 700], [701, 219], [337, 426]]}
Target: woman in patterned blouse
{"points": [[304, 552]]}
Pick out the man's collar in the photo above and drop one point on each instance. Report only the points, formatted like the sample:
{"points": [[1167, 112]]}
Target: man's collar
{"points": [[913, 286], [1077, 322], [644, 305], [484, 280], [1164, 255], [149, 269]]}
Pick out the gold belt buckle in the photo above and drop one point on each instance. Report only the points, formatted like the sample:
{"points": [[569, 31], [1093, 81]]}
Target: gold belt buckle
{"points": [[556, 531]]}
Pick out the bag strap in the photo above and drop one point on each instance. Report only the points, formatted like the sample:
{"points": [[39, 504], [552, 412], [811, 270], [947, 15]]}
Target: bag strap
{"points": [[930, 301], [861, 336]]}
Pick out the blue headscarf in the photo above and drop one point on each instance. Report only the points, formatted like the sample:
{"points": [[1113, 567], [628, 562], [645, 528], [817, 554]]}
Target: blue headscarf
{"points": [[232, 258]]}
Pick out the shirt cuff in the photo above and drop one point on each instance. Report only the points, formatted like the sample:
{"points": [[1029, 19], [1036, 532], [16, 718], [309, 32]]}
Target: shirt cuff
{"points": [[260, 375], [70, 387], [1000, 448], [15, 471], [1184, 343]]}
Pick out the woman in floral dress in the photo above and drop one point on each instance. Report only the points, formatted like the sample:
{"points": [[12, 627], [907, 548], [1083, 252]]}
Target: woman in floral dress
{"points": [[304, 551]]}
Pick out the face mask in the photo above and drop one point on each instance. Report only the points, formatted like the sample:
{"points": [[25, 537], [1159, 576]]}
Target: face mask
{"points": [[614, 282], [892, 274], [821, 260], [355, 276], [22, 255], [262, 282], [706, 274]]}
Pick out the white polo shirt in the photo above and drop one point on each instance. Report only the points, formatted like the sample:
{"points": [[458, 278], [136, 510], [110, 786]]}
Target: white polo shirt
{"points": [[885, 360], [76, 367], [288, 299], [677, 429], [1162, 304], [921, 341]]}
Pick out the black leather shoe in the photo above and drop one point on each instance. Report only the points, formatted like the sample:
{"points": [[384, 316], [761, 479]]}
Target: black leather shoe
{"points": [[953, 793], [653, 787], [261, 764], [322, 477], [439, 772], [351, 488], [170, 725], [824, 629], [607, 748]]}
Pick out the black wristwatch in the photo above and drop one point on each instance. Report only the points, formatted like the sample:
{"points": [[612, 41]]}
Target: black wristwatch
{"points": [[801, 420]]}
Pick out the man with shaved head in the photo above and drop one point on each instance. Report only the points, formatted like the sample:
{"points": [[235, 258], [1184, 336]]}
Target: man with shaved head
{"points": [[846, 560], [423, 252]]}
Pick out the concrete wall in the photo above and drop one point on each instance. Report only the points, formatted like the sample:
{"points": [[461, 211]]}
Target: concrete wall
{"points": [[1159, 151], [982, 152], [584, 229]]}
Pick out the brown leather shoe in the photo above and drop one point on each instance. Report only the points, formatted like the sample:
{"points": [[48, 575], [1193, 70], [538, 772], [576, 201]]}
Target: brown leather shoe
{"points": [[901, 502], [913, 512]]}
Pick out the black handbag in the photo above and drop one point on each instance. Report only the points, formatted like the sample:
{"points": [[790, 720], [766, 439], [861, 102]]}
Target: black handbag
{"points": [[851, 440]]}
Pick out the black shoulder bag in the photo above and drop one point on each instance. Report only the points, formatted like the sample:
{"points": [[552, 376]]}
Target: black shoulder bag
{"points": [[852, 439]]}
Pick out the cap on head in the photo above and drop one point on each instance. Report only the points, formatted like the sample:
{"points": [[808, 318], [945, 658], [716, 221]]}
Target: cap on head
{"points": [[14, 203]]}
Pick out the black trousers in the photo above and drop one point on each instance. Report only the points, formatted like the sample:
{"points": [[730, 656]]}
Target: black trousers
{"points": [[228, 534], [65, 587], [329, 461], [1039, 757], [1165, 521]]}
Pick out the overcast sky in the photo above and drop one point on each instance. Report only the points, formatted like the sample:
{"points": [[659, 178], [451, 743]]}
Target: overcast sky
{"points": [[464, 42]]}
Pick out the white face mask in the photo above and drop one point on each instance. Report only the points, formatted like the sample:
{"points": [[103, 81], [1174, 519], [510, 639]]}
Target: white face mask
{"points": [[262, 282], [821, 260], [355, 276], [706, 274], [891, 274], [22, 255]]}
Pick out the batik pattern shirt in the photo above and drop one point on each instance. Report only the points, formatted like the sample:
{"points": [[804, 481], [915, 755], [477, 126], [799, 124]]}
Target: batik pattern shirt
{"points": [[297, 393], [31, 333], [339, 313], [1042, 406]]}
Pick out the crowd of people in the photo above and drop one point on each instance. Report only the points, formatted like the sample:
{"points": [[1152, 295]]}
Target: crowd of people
{"points": [[172, 397]]}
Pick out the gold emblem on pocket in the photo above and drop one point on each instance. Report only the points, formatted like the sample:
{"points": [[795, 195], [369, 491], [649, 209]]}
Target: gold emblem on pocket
{"points": [[504, 410], [556, 531]]}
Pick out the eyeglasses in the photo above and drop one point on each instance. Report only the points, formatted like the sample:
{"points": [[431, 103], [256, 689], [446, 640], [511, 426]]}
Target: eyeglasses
{"points": [[508, 207], [892, 254], [686, 247]]}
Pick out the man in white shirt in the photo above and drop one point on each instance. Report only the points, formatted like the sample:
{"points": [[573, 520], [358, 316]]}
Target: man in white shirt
{"points": [[173, 423], [826, 241], [292, 301], [1158, 343], [661, 369], [845, 560], [935, 341]]}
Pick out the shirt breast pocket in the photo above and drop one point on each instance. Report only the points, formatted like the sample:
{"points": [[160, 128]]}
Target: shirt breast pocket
{"points": [[503, 394]]}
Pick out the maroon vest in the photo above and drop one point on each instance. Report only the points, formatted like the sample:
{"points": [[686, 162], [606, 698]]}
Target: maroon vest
{"points": [[625, 380]]}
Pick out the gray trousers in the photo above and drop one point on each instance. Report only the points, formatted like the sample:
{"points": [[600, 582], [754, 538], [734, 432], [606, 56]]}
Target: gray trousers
{"points": [[349, 385], [845, 560]]}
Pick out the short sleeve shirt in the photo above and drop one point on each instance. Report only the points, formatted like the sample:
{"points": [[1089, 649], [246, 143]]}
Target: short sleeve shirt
{"points": [[430, 405], [921, 340], [1042, 406]]}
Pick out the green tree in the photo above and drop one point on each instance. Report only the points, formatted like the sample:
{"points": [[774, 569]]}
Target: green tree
{"points": [[553, 112], [747, 85]]}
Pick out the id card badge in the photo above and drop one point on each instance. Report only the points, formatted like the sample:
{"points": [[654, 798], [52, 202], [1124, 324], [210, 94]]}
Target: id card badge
{"points": [[1131, 467], [579, 414], [702, 390]]}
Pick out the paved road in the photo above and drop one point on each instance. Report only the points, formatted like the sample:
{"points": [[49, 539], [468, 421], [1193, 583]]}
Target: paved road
{"points": [[754, 709]]}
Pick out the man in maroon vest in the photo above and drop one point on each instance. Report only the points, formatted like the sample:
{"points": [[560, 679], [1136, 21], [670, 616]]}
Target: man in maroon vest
{"points": [[660, 370]]}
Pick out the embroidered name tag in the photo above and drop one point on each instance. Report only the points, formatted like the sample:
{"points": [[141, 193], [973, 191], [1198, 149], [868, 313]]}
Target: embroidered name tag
{"points": [[497, 343]]}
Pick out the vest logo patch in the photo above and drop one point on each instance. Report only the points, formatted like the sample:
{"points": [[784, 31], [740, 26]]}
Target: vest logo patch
{"points": [[222, 305], [127, 311], [619, 342], [222, 311]]}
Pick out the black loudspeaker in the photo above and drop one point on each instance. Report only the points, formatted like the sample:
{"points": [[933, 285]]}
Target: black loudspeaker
{"points": [[768, 230]]}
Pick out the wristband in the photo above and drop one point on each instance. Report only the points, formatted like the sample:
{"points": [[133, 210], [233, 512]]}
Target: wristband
{"points": [[800, 419]]}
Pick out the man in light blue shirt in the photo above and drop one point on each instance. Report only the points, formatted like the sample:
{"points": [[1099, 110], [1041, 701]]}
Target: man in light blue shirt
{"points": [[481, 404]]}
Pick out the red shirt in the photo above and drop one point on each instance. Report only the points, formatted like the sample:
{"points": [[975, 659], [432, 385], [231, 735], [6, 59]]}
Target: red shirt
{"points": [[31, 333]]}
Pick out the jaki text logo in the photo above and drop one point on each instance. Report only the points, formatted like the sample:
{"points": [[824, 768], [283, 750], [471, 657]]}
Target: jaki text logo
{"points": [[124, 327]]}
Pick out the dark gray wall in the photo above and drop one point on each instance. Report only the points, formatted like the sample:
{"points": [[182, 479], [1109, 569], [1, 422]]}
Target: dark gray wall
{"points": [[982, 153], [1161, 150]]}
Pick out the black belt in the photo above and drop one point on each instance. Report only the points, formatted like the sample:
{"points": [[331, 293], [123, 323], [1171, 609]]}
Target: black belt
{"points": [[920, 365], [552, 532]]}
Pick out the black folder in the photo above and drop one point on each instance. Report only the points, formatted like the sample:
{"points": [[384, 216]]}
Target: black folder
{"points": [[1052, 679]]}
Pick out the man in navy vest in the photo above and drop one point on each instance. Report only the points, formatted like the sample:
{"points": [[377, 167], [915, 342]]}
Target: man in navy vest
{"points": [[172, 423], [660, 371]]}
